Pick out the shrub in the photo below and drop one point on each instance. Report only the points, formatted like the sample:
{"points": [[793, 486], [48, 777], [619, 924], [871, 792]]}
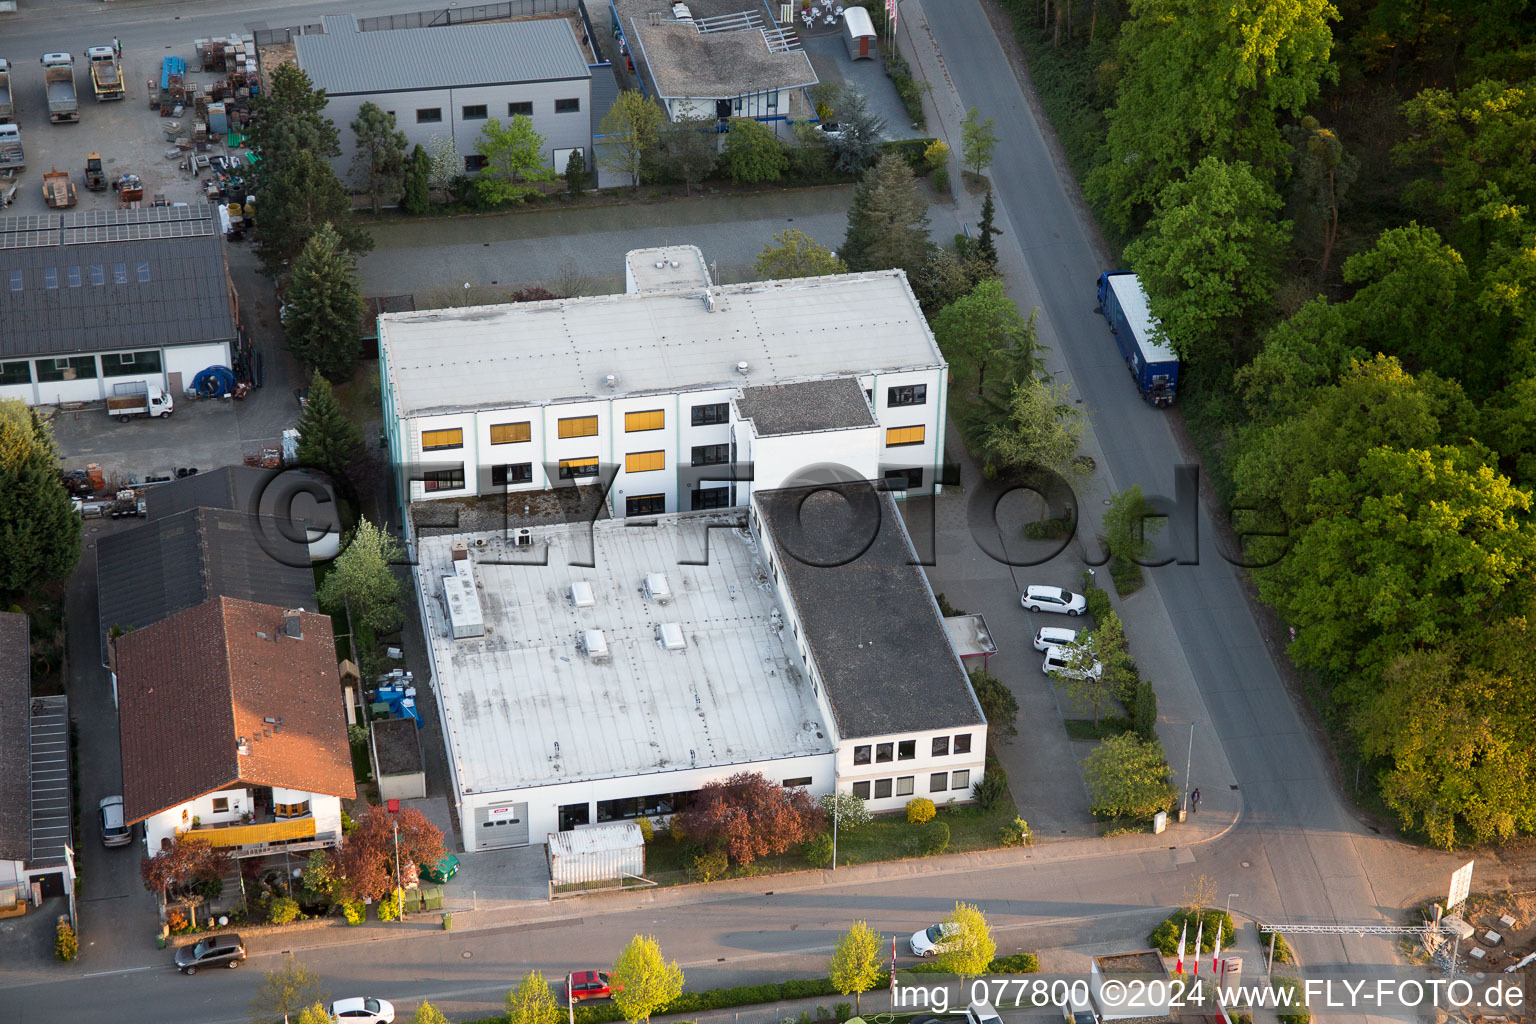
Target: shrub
{"points": [[940, 180], [355, 912], [997, 702], [818, 852], [911, 93], [842, 1011], [805, 1017], [1144, 710], [913, 151], [920, 810], [282, 910], [1165, 937], [1098, 603], [209, 888], [936, 155], [1046, 529], [66, 945], [1298, 1012], [709, 865], [1018, 963], [389, 907], [992, 790], [823, 1014], [1126, 575], [935, 837], [1283, 954], [647, 830], [176, 920], [675, 828], [851, 812], [946, 609], [348, 826], [1016, 833]]}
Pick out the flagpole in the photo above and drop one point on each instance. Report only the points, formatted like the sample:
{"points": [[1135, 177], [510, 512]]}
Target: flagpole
{"points": [[1183, 932], [1199, 941]]}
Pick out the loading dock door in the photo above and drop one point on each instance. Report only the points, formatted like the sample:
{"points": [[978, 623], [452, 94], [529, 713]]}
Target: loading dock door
{"points": [[506, 825]]}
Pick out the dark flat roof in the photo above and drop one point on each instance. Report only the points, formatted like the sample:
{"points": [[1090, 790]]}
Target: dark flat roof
{"points": [[398, 746], [869, 617], [181, 560], [806, 406], [15, 738]]}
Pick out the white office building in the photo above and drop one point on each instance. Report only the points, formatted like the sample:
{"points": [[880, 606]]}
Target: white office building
{"points": [[648, 392]]}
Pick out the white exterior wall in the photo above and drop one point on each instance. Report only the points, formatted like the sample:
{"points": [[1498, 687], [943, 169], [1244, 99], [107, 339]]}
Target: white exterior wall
{"points": [[920, 768], [21, 392], [326, 810], [164, 824], [788, 458], [560, 131], [704, 106], [188, 359], [57, 392], [677, 438], [544, 802], [191, 360]]}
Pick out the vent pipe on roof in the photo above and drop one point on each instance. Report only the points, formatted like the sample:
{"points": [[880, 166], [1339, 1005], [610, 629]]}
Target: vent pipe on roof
{"points": [[612, 380], [243, 746], [742, 367]]}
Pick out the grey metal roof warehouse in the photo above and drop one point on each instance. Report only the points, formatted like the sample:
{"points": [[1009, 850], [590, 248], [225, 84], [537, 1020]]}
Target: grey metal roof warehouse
{"points": [[15, 741], [345, 61], [869, 619], [179, 561], [112, 280]]}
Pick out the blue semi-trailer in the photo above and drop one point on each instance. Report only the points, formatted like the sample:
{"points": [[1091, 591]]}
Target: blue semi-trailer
{"points": [[1152, 363]]}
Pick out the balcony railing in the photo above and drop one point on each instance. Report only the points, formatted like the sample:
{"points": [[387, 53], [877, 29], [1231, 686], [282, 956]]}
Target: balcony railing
{"points": [[282, 831]]}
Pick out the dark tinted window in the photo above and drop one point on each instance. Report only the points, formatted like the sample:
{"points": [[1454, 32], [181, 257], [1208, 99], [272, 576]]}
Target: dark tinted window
{"points": [[940, 746], [861, 755], [704, 415], [711, 454], [520, 109], [429, 115], [711, 497], [861, 790], [906, 750], [963, 744], [909, 394], [517, 473], [884, 752], [567, 106]]}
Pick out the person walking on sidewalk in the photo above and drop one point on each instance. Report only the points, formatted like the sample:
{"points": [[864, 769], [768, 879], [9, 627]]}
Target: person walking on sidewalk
{"points": [[1194, 801], [117, 48]]}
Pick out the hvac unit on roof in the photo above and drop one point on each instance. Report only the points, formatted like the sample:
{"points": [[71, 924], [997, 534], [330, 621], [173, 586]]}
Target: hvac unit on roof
{"points": [[656, 588], [523, 538], [681, 12], [593, 644], [481, 542], [580, 594], [669, 635]]}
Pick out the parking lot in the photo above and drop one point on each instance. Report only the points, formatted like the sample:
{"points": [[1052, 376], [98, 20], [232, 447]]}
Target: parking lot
{"points": [[130, 137]]}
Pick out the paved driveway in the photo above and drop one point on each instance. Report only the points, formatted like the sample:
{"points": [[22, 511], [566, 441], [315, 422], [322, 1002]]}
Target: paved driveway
{"points": [[829, 56]]}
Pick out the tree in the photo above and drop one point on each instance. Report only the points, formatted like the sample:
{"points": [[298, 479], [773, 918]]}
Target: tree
{"points": [[323, 314], [446, 162], [418, 183], [173, 873], [855, 963], [365, 861], [1478, 138], [749, 817], [576, 172], [985, 247], [362, 580], [888, 219], [514, 161], [848, 810], [1411, 300], [302, 194], [1309, 350], [689, 149], [380, 161], [810, 156], [978, 141], [1042, 429], [1210, 253], [856, 142], [1098, 668], [972, 329], [1201, 81], [753, 152], [1127, 777], [320, 872], [1323, 173], [1130, 523], [285, 992], [998, 704], [533, 1002], [968, 946], [426, 1013], [628, 134], [643, 982], [793, 253], [39, 530]]}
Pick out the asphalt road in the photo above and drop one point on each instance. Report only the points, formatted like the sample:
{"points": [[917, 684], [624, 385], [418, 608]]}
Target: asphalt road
{"points": [[1297, 854]]}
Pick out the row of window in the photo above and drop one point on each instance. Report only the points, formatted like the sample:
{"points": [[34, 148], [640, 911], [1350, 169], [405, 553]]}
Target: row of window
{"points": [[116, 364], [704, 498], [634, 422], [906, 750], [938, 782], [480, 111]]}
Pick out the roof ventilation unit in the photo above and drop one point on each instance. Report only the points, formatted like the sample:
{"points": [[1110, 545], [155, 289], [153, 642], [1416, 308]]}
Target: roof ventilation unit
{"points": [[656, 588], [669, 635], [460, 550], [581, 594], [593, 644], [612, 381], [742, 367], [681, 12], [465, 620], [481, 542], [523, 538]]}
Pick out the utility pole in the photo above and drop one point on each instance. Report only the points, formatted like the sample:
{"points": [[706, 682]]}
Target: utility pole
{"points": [[1230, 897], [399, 887], [1188, 759]]}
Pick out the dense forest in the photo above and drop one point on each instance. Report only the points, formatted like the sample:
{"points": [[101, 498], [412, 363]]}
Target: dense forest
{"points": [[1331, 208]]}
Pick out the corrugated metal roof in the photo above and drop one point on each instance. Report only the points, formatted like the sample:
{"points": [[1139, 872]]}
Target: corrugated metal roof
{"points": [[1138, 313], [113, 295], [15, 744], [526, 353], [447, 57], [597, 839]]}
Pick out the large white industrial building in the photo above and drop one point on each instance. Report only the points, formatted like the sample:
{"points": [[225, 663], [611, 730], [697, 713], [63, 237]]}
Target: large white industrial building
{"points": [[599, 672], [527, 396]]}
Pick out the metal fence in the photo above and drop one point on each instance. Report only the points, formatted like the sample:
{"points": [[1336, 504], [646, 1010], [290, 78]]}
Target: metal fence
{"points": [[427, 19]]}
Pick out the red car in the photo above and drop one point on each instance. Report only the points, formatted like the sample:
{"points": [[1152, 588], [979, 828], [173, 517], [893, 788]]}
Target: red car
{"points": [[589, 985]]}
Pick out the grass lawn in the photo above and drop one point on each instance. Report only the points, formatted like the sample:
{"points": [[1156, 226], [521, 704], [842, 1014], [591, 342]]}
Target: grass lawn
{"points": [[970, 828], [1084, 729]]}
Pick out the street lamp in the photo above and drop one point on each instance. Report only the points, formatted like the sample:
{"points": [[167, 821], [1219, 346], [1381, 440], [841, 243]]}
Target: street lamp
{"points": [[399, 887], [1230, 897], [1188, 756]]}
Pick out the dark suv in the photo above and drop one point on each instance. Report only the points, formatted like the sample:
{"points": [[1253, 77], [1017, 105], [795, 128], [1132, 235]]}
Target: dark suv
{"points": [[213, 951]]}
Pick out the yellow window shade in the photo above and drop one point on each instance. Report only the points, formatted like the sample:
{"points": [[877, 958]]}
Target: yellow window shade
{"points": [[434, 440], [897, 436], [578, 426], [642, 462], [655, 419], [577, 463], [507, 433]]}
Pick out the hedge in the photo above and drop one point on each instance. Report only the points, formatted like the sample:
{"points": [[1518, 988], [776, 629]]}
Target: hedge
{"points": [[1165, 937], [914, 151], [725, 998], [1018, 963]]}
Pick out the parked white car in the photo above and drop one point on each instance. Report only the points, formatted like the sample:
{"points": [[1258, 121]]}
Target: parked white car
{"points": [[930, 941], [1053, 599], [363, 1010], [1058, 660], [114, 832], [1054, 636]]}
